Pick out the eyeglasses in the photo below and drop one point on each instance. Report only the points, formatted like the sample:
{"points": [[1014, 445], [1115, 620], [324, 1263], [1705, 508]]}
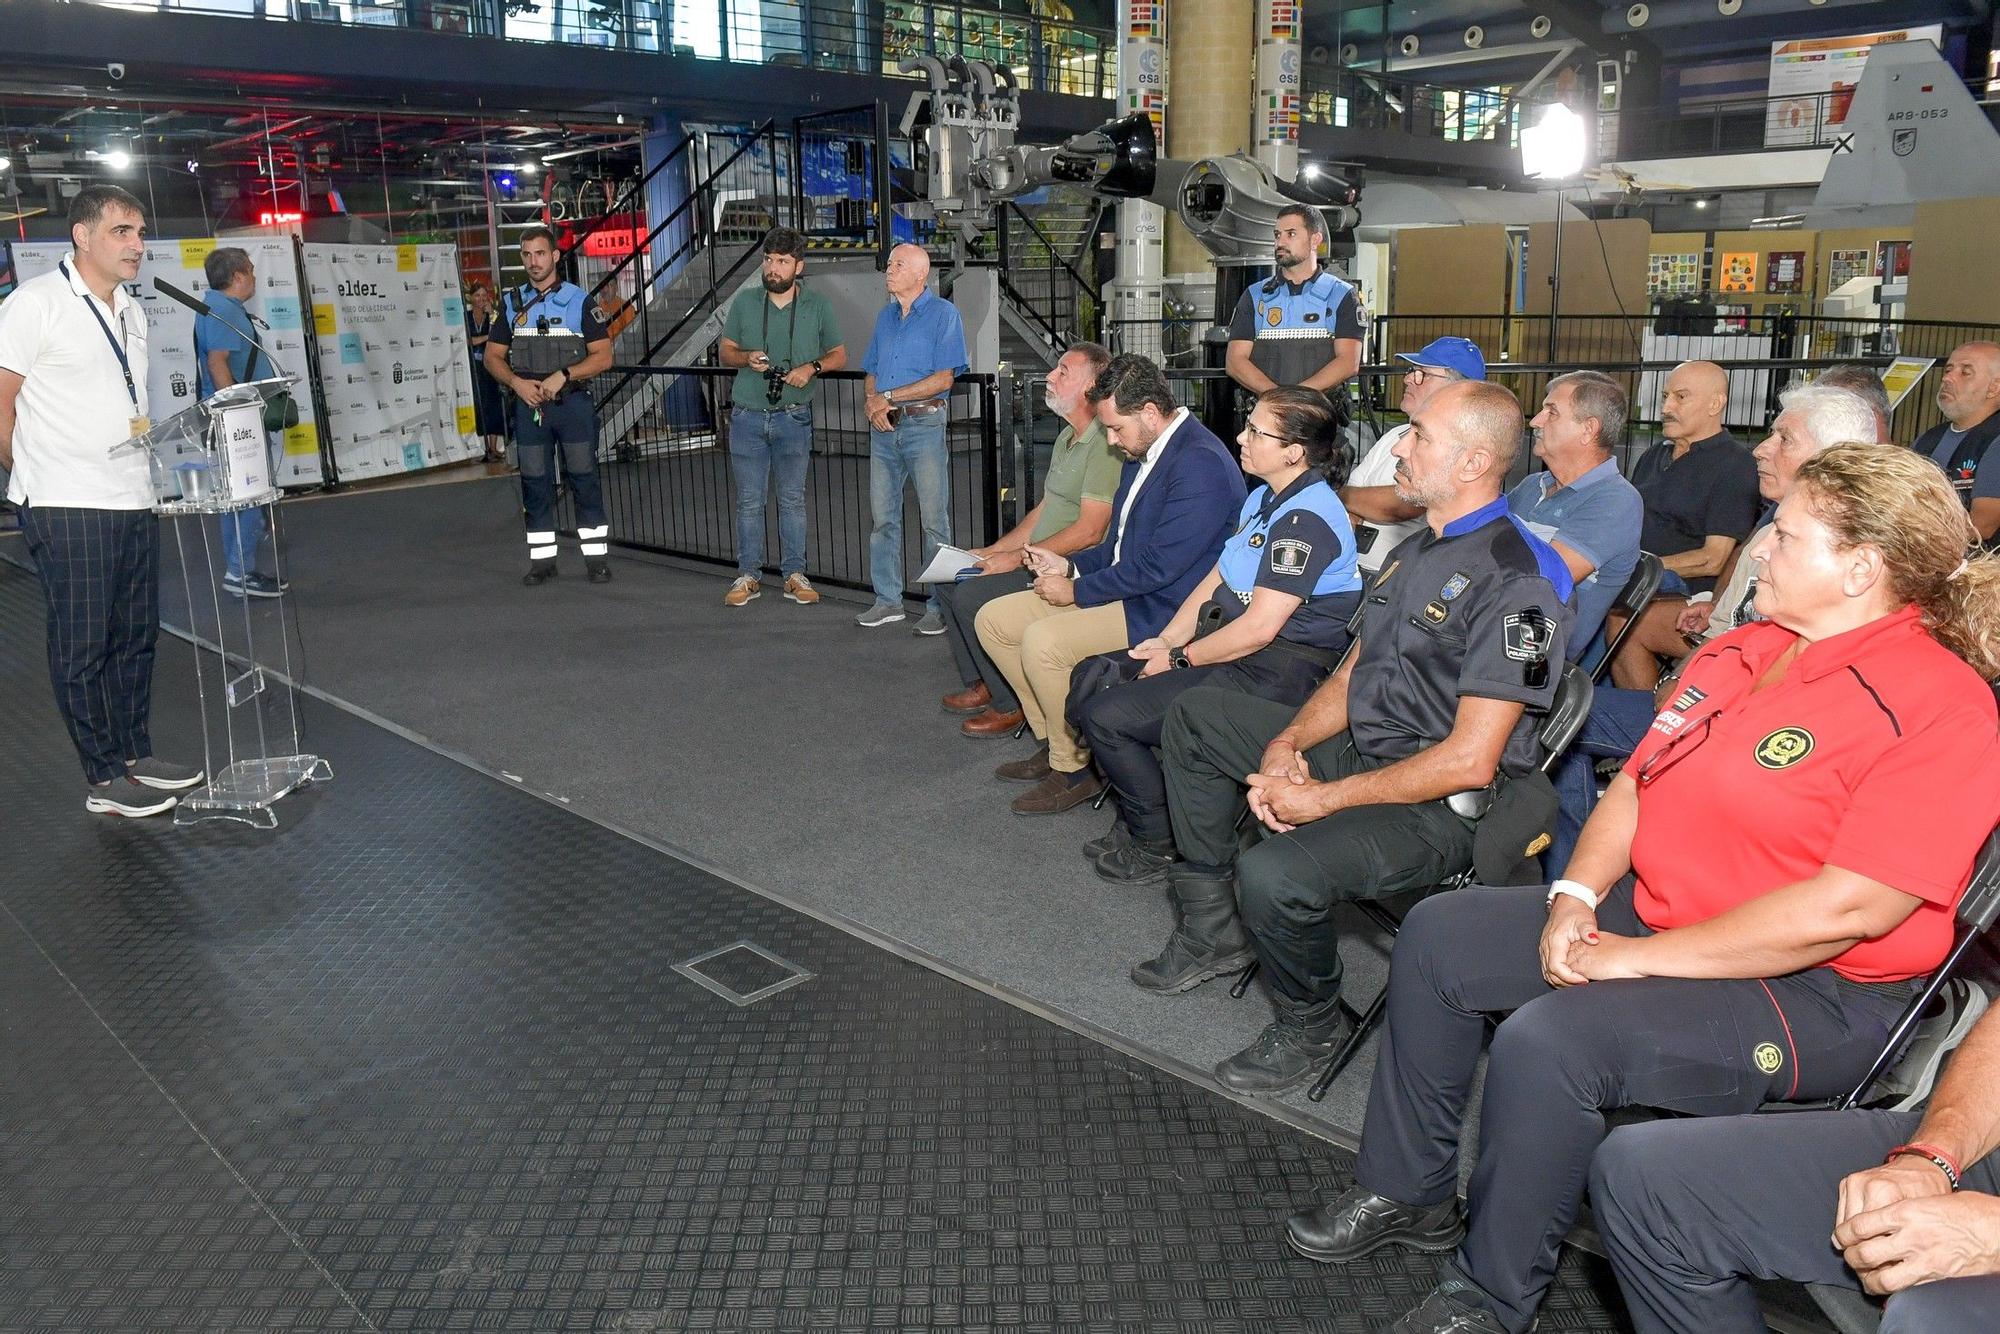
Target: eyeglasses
{"points": [[1679, 748], [1251, 427]]}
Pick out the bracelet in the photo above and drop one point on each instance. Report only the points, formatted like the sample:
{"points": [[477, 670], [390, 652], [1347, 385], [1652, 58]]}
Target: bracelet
{"points": [[1577, 890], [1932, 1154]]}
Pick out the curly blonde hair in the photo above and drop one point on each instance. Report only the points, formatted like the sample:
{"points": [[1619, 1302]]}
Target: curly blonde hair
{"points": [[1900, 503]]}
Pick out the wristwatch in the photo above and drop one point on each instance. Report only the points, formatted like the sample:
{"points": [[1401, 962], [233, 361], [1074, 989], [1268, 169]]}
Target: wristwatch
{"points": [[816, 367], [1177, 657]]}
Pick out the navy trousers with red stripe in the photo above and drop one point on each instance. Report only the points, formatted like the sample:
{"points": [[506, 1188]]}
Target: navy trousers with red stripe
{"points": [[1561, 1058], [100, 573]]}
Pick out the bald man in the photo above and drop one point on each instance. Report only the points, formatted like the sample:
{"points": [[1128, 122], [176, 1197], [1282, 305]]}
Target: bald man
{"points": [[1700, 489], [917, 350], [1968, 394]]}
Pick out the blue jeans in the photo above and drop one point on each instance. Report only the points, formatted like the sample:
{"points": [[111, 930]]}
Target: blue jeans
{"points": [[1617, 722], [914, 452], [242, 534], [761, 443]]}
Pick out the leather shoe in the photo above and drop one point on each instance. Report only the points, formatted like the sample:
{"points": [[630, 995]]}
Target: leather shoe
{"points": [[1115, 837], [1358, 1222], [973, 699], [1033, 769], [1058, 793], [990, 725]]}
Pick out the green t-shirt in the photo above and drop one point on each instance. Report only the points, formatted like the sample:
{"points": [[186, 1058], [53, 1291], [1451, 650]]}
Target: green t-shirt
{"points": [[1081, 468], [791, 335]]}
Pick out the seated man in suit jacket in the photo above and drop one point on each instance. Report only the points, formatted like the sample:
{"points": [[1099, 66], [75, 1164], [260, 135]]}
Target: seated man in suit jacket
{"points": [[1177, 500]]}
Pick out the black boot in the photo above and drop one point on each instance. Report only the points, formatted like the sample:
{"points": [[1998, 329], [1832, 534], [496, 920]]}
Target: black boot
{"points": [[600, 569], [539, 571], [1292, 1048], [1208, 939]]}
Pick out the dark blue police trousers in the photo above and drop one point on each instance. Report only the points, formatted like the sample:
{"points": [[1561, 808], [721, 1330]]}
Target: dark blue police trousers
{"points": [[568, 425], [1690, 1210], [1562, 1057]]}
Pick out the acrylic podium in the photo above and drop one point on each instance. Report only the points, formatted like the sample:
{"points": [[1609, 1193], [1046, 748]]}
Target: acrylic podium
{"points": [[213, 459]]}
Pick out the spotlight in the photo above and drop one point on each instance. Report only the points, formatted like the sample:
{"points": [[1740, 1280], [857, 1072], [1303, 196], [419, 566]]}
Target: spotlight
{"points": [[1701, 203], [507, 181], [528, 168], [5, 162], [1553, 148], [117, 157]]}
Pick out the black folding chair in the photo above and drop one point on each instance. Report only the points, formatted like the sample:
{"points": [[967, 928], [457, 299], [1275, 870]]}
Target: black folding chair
{"points": [[1633, 599]]}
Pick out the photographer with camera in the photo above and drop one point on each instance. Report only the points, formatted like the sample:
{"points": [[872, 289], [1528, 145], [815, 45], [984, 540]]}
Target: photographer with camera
{"points": [[779, 339], [548, 342]]}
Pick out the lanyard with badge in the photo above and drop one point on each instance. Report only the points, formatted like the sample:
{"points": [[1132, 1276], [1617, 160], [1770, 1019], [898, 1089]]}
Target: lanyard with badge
{"points": [[140, 422]]}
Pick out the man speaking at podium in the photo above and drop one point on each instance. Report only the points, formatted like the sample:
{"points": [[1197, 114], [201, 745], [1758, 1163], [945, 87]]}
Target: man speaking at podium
{"points": [[73, 385]]}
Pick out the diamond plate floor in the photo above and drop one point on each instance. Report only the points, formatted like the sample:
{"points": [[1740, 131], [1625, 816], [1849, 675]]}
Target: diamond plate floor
{"points": [[419, 1061]]}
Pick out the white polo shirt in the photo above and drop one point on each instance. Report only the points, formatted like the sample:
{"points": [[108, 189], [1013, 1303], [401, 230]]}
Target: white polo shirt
{"points": [[73, 405], [1378, 468], [1145, 470]]}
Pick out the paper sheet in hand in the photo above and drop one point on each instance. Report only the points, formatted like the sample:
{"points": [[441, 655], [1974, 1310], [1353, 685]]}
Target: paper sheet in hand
{"points": [[949, 563]]}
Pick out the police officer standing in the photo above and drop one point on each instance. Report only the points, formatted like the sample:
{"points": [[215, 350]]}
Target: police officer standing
{"points": [[1461, 642], [1302, 326], [548, 341]]}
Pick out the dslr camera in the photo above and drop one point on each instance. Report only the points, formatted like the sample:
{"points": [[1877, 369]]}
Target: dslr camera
{"points": [[774, 383]]}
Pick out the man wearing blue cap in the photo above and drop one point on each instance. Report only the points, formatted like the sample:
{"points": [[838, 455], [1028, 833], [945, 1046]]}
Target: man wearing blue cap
{"points": [[1381, 517]]}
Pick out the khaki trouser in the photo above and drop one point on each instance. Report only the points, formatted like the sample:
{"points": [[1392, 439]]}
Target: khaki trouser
{"points": [[1035, 646]]}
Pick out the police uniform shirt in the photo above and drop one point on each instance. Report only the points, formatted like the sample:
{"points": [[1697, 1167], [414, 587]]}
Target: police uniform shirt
{"points": [[564, 317], [1299, 542], [1481, 609], [1292, 328]]}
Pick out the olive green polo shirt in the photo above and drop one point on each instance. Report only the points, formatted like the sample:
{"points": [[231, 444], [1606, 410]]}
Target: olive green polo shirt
{"points": [[1081, 468], [791, 335]]}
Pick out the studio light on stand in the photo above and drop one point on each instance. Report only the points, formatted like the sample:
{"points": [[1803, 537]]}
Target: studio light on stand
{"points": [[1552, 149]]}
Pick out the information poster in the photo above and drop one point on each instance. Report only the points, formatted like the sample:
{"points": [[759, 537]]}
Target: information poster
{"points": [[1813, 80], [1785, 271], [390, 327], [1673, 275], [1892, 260], [1844, 266], [170, 369], [1738, 272]]}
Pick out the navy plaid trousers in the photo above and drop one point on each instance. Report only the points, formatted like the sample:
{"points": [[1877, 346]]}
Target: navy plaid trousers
{"points": [[100, 572]]}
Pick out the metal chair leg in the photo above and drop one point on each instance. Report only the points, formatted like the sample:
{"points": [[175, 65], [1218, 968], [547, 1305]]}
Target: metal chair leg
{"points": [[1368, 1021]]}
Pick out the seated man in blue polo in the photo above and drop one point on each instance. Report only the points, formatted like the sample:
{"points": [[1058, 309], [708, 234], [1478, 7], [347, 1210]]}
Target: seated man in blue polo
{"points": [[1583, 506], [1381, 516]]}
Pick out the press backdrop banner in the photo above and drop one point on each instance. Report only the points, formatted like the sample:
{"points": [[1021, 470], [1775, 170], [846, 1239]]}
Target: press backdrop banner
{"points": [[170, 371], [390, 328]]}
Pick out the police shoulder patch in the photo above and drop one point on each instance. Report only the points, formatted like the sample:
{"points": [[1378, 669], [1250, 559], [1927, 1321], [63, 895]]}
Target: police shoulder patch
{"points": [[1527, 635], [1289, 555], [1454, 586]]}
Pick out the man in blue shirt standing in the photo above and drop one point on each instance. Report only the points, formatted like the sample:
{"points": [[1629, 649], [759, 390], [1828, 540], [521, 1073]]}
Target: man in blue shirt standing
{"points": [[917, 350], [1583, 506], [223, 354]]}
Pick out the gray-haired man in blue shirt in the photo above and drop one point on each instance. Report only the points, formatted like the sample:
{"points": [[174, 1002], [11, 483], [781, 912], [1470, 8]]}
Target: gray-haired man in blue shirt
{"points": [[917, 350]]}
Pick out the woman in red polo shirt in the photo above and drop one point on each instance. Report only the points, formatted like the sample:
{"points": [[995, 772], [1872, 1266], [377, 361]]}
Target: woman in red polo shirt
{"points": [[1744, 913]]}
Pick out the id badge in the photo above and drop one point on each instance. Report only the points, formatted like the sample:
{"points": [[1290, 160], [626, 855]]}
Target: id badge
{"points": [[141, 425]]}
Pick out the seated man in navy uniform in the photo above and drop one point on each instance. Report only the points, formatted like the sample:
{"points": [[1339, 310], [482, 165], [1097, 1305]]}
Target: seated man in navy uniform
{"points": [[1462, 641], [1301, 327]]}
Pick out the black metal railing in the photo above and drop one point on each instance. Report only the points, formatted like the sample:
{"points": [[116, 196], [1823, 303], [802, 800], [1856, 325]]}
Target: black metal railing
{"points": [[734, 201], [1048, 286], [672, 491], [1046, 55], [1366, 100]]}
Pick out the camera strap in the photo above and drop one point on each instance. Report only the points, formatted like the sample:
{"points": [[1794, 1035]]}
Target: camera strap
{"points": [[791, 330]]}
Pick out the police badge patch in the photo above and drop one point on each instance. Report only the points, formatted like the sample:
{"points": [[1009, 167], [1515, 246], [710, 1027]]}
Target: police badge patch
{"points": [[1289, 555], [1256, 540], [1528, 635], [1453, 586]]}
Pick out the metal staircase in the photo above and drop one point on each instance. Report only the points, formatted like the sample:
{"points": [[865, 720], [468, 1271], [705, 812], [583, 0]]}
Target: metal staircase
{"points": [[1048, 296]]}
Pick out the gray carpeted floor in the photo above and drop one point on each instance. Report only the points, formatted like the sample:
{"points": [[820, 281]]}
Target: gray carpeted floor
{"points": [[779, 743]]}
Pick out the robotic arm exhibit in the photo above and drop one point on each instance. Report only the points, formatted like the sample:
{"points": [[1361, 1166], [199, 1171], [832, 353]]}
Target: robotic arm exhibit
{"points": [[967, 121]]}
